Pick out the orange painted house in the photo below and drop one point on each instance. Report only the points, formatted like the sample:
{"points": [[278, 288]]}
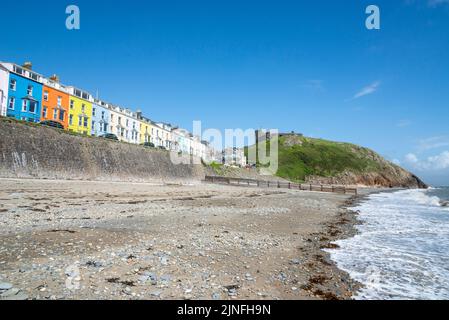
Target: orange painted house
{"points": [[55, 103]]}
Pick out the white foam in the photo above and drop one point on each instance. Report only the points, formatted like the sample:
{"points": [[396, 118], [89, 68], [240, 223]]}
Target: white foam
{"points": [[402, 249]]}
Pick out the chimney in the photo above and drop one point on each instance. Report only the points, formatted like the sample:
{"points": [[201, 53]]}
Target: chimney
{"points": [[54, 78], [28, 65]]}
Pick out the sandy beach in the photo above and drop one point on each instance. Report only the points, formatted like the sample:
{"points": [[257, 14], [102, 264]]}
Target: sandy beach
{"points": [[101, 240]]}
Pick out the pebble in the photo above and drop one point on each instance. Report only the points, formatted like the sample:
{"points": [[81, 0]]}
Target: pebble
{"points": [[10, 292], [5, 286], [282, 276], [232, 292], [165, 279], [156, 293], [164, 261]]}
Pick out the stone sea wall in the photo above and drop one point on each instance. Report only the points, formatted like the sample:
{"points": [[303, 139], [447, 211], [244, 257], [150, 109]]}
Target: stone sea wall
{"points": [[34, 151]]}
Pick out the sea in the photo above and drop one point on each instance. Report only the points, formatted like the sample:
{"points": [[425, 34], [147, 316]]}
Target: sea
{"points": [[401, 250]]}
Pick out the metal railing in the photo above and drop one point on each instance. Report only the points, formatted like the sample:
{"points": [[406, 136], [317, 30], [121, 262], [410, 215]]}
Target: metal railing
{"points": [[280, 184]]}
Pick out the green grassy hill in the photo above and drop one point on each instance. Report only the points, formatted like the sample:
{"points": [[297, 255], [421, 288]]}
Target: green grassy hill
{"points": [[304, 159]]}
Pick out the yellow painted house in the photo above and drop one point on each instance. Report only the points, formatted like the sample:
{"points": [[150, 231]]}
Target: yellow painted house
{"points": [[80, 111], [144, 128]]}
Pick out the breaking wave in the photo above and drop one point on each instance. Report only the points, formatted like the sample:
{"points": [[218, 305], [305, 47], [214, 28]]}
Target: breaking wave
{"points": [[402, 248]]}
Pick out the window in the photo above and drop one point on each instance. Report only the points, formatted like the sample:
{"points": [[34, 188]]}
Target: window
{"points": [[34, 76], [72, 103], [112, 117], [93, 125], [59, 101], [24, 105], [127, 122], [45, 95], [18, 70], [71, 119], [44, 113], [83, 107], [55, 114], [102, 115], [33, 106], [86, 120], [80, 121], [61, 115], [30, 90], [12, 100], [77, 93], [85, 96], [93, 111], [13, 85]]}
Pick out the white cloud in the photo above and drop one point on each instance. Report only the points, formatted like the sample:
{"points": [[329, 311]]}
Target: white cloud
{"points": [[438, 162], [367, 90], [411, 158], [433, 143], [396, 162]]}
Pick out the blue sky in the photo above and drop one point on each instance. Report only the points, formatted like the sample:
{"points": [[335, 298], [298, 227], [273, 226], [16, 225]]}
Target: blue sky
{"points": [[308, 66]]}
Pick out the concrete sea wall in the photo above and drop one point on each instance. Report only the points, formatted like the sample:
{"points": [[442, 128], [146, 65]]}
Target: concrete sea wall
{"points": [[34, 151]]}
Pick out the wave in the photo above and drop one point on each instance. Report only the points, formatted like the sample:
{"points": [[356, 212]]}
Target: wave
{"points": [[401, 249]]}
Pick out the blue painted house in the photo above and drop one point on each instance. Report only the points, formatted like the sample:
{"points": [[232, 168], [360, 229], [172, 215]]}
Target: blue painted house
{"points": [[101, 118], [24, 99]]}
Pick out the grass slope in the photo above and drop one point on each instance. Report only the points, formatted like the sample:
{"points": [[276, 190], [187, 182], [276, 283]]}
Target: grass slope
{"points": [[300, 157]]}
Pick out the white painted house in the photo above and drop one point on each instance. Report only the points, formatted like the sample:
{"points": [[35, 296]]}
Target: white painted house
{"points": [[197, 147], [161, 135], [4, 81], [124, 124], [181, 141]]}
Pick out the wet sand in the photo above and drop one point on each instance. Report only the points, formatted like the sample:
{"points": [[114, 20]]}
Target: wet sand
{"points": [[100, 240]]}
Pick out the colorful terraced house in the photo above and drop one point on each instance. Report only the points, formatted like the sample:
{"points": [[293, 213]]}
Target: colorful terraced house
{"points": [[28, 96], [144, 128], [24, 93], [80, 111], [101, 118], [55, 102], [124, 124]]}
